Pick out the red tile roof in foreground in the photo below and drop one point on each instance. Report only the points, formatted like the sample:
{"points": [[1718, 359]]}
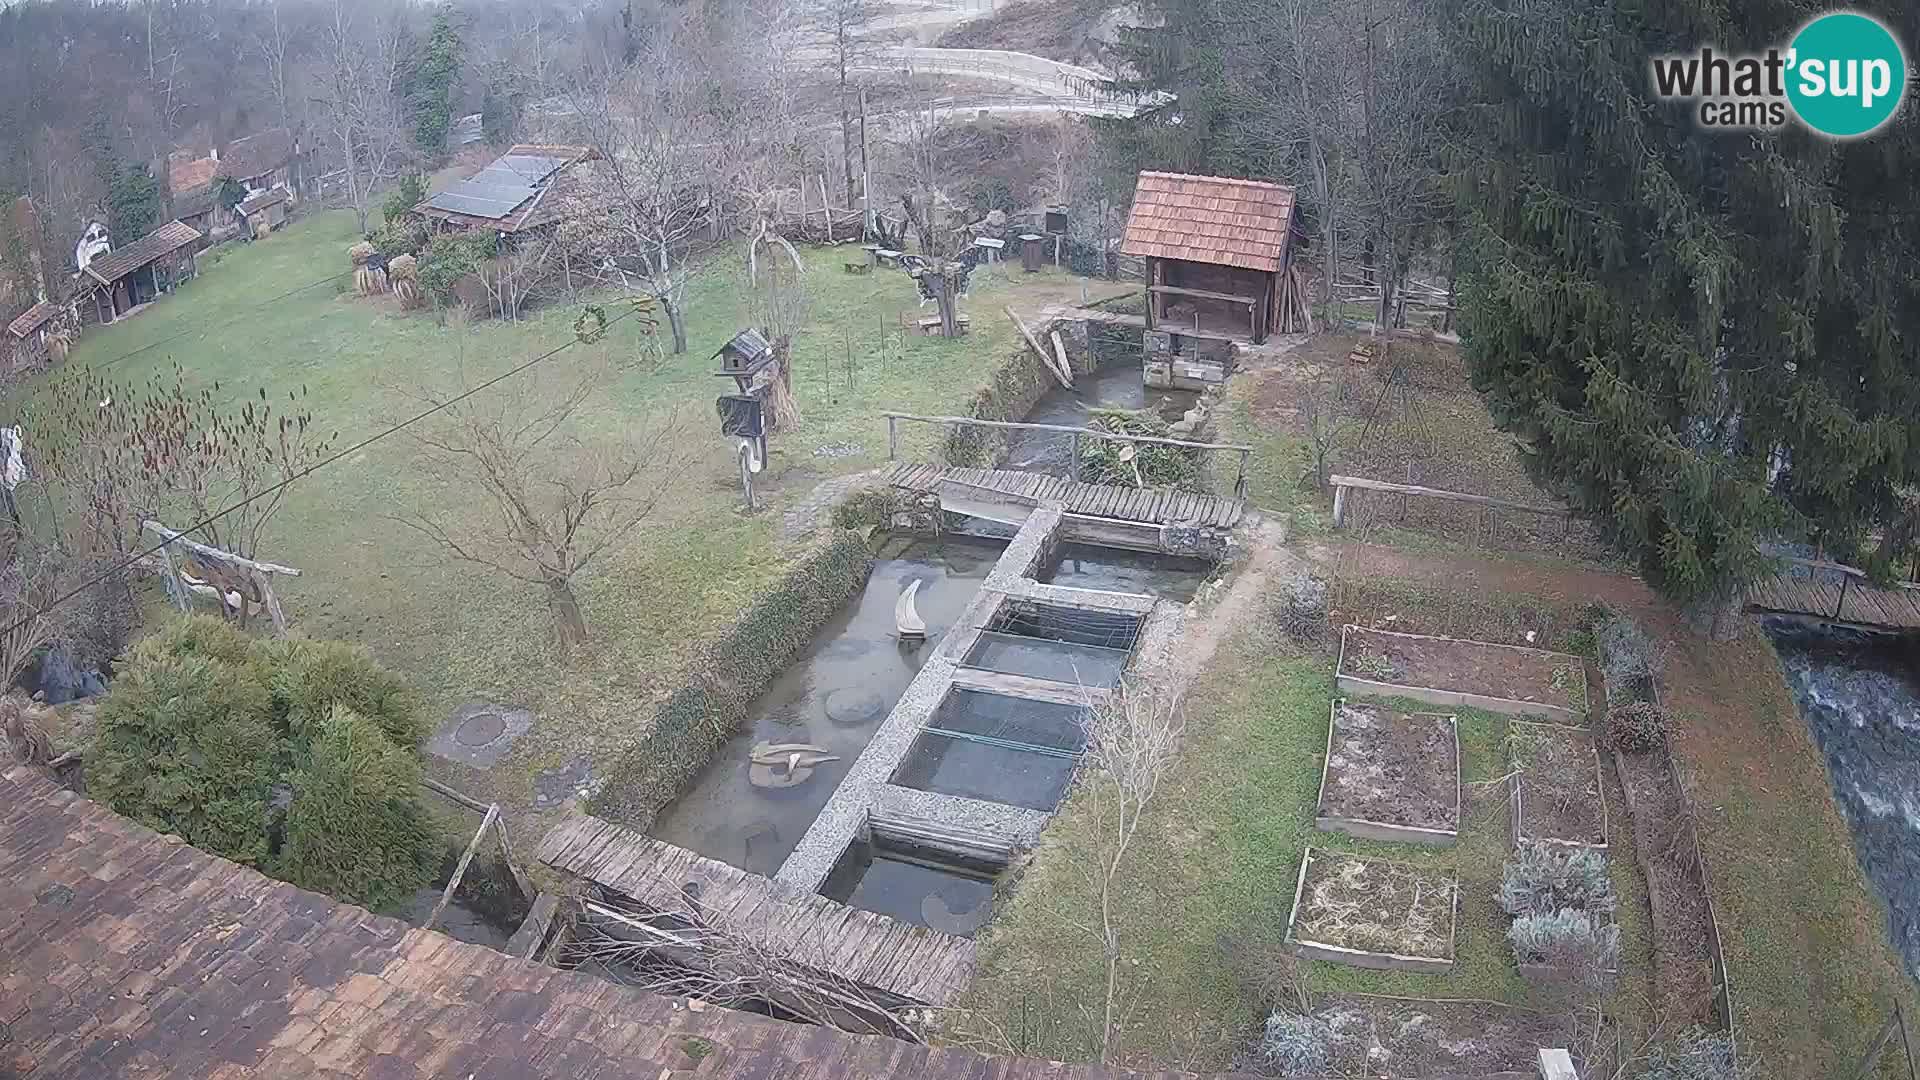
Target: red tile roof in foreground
{"points": [[126, 954], [1210, 219]]}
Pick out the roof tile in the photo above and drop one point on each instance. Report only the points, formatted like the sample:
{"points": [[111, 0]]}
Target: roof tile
{"points": [[1210, 219]]}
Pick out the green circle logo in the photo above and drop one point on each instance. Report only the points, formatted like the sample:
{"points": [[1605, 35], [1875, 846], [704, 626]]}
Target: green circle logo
{"points": [[1846, 75]]}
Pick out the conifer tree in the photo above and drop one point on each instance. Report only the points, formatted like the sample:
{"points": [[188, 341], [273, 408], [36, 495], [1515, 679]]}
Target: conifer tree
{"points": [[1702, 338]]}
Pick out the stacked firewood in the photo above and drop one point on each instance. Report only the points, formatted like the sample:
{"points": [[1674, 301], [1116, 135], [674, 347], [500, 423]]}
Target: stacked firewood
{"points": [[1292, 310]]}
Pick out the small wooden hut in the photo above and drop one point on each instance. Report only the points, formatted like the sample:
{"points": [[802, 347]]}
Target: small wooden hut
{"points": [[122, 279], [1218, 251]]}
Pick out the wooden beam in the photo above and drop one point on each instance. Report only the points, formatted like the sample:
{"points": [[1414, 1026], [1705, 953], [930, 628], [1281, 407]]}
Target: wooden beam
{"points": [[460, 871], [215, 553], [533, 930], [1338, 482], [1060, 352], [1066, 380]]}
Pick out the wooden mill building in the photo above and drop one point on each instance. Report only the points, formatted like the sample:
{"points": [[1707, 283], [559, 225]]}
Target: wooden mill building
{"points": [[1218, 251]]}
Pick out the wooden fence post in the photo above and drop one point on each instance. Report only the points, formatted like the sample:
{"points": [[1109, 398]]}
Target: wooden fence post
{"points": [[1240, 482], [1339, 505], [1073, 457], [893, 437]]}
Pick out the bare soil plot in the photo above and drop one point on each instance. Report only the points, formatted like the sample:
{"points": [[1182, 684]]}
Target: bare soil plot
{"points": [[1557, 795], [1391, 774], [1410, 1037], [1372, 913], [1449, 671]]}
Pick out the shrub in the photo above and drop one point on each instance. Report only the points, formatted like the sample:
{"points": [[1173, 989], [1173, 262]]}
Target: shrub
{"points": [[1694, 1054], [1629, 659], [1578, 945], [410, 192], [1539, 879], [448, 258], [1297, 1045], [397, 238], [355, 828], [309, 678], [203, 724], [185, 744], [1638, 726]]}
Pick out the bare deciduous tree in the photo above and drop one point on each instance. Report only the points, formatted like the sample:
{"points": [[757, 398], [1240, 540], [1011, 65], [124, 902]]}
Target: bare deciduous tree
{"points": [[660, 158], [844, 33], [1132, 738], [553, 501], [365, 65]]}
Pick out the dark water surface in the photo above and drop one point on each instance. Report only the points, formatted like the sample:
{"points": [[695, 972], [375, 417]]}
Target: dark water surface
{"points": [[833, 696], [1860, 696], [1114, 386]]}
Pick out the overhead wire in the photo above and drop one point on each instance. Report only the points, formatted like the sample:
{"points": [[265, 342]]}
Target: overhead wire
{"points": [[309, 470]]}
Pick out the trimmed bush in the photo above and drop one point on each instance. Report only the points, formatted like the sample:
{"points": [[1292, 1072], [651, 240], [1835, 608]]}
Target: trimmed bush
{"points": [[355, 828], [1579, 946], [692, 723], [1694, 1054], [1015, 386], [203, 725], [1638, 726], [1297, 1045], [1542, 878], [309, 678], [185, 744]]}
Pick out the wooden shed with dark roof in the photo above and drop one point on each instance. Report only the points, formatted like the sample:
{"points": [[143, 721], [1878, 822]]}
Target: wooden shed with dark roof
{"points": [[1216, 250], [122, 279], [528, 187]]}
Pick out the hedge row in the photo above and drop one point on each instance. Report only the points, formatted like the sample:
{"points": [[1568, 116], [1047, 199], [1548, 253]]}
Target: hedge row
{"points": [[693, 723], [1015, 386]]}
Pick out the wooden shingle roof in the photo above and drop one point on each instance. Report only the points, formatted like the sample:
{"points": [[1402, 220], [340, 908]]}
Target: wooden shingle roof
{"points": [[257, 154], [33, 319], [124, 953], [1210, 219], [161, 242]]}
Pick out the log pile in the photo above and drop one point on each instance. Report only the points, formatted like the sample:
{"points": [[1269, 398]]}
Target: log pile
{"points": [[1293, 313], [823, 227]]}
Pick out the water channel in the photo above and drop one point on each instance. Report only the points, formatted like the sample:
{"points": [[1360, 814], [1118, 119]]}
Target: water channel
{"points": [[1111, 386], [834, 696], [1860, 696]]}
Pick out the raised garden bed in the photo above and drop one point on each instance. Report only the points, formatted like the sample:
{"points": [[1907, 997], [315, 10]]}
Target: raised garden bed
{"points": [[1374, 914], [1391, 775], [1557, 794], [1507, 679]]}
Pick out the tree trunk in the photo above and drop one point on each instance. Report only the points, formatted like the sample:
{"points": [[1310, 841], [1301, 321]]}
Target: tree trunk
{"points": [[567, 620], [678, 324], [1716, 615]]}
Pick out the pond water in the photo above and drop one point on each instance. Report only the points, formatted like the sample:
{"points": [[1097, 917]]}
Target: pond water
{"points": [[996, 748], [1115, 386], [1860, 696], [1083, 566], [459, 922], [912, 885], [834, 696]]}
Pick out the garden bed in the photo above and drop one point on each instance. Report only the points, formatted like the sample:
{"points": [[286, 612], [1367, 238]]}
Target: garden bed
{"points": [[1557, 794], [1374, 914], [1412, 1037], [1507, 679], [1391, 775]]}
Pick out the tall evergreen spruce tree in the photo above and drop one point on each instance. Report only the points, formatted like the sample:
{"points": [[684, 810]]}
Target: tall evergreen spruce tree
{"points": [[1179, 50], [1705, 340]]}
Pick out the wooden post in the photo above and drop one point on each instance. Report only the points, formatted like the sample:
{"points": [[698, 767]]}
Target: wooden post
{"points": [[1339, 505], [506, 853], [271, 602], [1073, 457], [176, 588], [826, 206], [893, 437], [460, 871], [1240, 482]]}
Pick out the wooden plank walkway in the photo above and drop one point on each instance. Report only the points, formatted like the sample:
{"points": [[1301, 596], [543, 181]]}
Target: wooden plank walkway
{"points": [[910, 962], [1154, 506], [1847, 599]]}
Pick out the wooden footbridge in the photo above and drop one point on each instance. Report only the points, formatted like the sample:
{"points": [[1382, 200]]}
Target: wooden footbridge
{"points": [[1837, 593], [977, 491], [905, 962], [1153, 506]]}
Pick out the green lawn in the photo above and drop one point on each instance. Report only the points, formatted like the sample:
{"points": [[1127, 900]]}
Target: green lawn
{"points": [[1216, 860], [463, 633]]}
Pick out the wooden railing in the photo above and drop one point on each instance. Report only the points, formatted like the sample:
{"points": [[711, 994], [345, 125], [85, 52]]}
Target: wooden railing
{"points": [[1075, 433], [1341, 484]]}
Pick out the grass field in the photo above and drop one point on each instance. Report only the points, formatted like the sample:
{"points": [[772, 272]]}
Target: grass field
{"points": [[1213, 870], [463, 633]]}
